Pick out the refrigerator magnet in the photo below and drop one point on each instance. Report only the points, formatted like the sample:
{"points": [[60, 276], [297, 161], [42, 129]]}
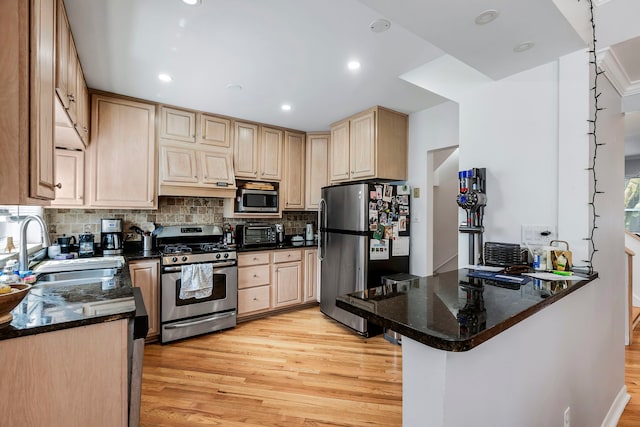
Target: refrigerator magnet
{"points": [[404, 210], [403, 189], [378, 249], [402, 223], [373, 220], [379, 192], [373, 195], [388, 192], [403, 200], [388, 233]]}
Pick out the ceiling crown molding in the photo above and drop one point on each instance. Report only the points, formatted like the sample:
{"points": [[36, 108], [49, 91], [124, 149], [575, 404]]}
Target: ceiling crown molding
{"points": [[613, 70]]}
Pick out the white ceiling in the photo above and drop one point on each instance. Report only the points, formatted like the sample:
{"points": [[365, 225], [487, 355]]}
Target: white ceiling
{"points": [[295, 51]]}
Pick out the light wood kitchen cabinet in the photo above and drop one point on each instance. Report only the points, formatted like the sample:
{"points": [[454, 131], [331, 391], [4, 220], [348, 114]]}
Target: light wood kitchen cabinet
{"points": [[177, 125], [339, 152], [63, 34], [71, 86], [316, 168], [287, 278], [310, 275], [27, 175], [254, 283], [294, 163], [215, 132], [70, 176], [198, 166], [375, 142], [145, 274], [121, 164], [257, 152], [84, 370]]}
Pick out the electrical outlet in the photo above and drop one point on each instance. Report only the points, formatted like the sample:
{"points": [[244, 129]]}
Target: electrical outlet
{"points": [[567, 417], [538, 235], [416, 192]]}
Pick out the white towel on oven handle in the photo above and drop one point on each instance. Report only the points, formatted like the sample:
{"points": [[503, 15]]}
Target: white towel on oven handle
{"points": [[196, 281]]}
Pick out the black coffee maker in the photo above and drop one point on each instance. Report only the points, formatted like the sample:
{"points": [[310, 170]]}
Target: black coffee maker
{"points": [[111, 236]]}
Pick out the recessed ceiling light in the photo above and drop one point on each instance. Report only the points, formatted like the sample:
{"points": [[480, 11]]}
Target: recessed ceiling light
{"points": [[379, 25], [234, 86], [486, 17], [353, 65], [523, 46], [191, 2], [165, 77], [285, 107]]}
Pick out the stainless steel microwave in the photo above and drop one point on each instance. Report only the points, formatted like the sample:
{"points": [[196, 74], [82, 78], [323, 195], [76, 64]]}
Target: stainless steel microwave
{"points": [[258, 201]]}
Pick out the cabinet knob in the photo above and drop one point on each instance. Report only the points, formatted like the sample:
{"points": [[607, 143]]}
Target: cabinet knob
{"points": [[58, 185], [255, 299], [255, 275], [71, 97], [255, 259]]}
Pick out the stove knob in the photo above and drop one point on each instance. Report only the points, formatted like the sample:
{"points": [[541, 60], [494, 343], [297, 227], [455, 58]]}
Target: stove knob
{"points": [[226, 255], [184, 259], [217, 256], [174, 259]]}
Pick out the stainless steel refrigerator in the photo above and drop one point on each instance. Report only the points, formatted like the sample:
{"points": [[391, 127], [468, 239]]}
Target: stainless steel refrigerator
{"points": [[364, 234]]}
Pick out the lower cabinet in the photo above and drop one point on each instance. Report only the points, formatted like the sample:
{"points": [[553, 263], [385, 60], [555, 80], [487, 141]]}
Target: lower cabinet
{"points": [[145, 275], [286, 272], [274, 279]]}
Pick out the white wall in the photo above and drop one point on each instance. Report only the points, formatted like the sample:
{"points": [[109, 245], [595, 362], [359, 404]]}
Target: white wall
{"points": [[571, 353], [445, 210], [430, 129]]}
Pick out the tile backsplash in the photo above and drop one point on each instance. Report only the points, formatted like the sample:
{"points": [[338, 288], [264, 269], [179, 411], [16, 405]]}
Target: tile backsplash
{"points": [[171, 211]]}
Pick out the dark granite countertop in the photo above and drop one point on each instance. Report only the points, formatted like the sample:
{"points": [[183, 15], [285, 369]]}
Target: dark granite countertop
{"points": [[305, 244], [137, 255], [451, 311], [54, 307]]}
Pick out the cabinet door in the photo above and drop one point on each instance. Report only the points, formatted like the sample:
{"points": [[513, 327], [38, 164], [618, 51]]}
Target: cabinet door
{"points": [[286, 284], [339, 152], [216, 168], [179, 125], [72, 78], [310, 274], [316, 169], [42, 92], [215, 131], [145, 275], [270, 154], [70, 176], [177, 165], [245, 150], [82, 127], [294, 149], [62, 54], [362, 143], [122, 155]]}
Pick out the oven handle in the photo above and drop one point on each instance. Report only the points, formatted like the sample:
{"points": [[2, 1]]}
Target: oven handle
{"points": [[174, 268], [201, 321]]}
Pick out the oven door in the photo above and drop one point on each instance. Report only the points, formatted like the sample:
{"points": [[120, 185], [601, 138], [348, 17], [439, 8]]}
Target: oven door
{"points": [[224, 296]]}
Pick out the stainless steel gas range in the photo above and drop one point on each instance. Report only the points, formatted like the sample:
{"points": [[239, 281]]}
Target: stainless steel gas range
{"points": [[199, 282]]}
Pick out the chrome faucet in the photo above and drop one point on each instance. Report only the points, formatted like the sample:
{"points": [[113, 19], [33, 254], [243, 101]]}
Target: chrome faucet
{"points": [[24, 256]]}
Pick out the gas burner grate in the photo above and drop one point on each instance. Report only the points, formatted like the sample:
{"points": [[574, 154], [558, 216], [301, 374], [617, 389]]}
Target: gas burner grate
{"points": [[176, 249], [212, 247]]}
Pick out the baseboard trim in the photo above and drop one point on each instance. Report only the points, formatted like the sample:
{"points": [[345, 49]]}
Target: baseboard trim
{"points": [[616, 409]]}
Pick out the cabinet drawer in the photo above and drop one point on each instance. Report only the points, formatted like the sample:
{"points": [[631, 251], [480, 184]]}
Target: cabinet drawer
{"points": [[254, 258], [287, 256], [249, 277], [253, 299]]}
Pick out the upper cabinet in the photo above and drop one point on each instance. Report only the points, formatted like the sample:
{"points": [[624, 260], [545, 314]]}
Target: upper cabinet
{"points": [[27, 175], [121, 160], [294, 166], [369, 145], [316, 174], [177, 125], [70, 84], [70, 178], [196, 157], [257, 152]]}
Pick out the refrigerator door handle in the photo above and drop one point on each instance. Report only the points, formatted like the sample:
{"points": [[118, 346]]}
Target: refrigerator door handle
{"points": [[321, 226]]}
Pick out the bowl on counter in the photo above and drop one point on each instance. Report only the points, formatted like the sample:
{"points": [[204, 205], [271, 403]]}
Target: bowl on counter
{"points": [[10, 300]]}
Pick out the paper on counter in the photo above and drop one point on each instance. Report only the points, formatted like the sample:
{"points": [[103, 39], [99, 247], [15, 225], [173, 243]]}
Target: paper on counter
{"points": [[483, 268], [551, 276]]}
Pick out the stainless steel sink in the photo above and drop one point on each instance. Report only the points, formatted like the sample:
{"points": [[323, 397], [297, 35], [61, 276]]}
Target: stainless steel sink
{"points": [[77, 277]]}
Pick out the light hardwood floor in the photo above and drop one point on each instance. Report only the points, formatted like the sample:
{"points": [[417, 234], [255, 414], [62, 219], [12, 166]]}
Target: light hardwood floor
{"points": [[293, 369], [631, 415]]}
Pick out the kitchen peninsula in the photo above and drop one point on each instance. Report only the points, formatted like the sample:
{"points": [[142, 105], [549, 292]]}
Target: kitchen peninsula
{"points": [[449, 378]]}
